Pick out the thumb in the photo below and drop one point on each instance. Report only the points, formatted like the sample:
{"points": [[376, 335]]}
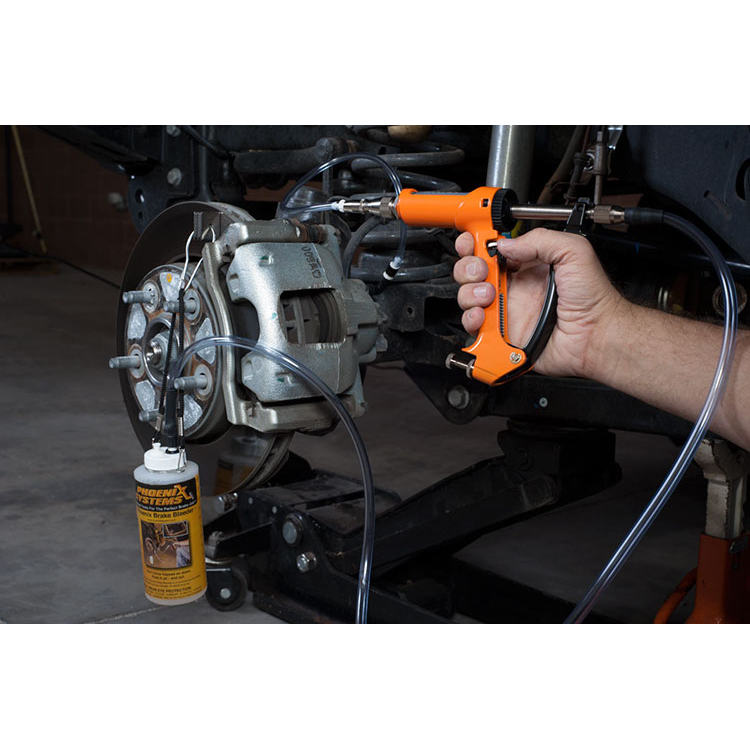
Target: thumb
{"points": [[545, 245]]}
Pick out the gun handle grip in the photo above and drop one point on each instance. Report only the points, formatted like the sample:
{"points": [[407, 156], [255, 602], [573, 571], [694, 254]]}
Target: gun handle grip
{"points": [[495, 357]]}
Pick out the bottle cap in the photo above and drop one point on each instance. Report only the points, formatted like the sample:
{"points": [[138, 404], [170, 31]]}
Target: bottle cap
{"points": [[157, 459]]}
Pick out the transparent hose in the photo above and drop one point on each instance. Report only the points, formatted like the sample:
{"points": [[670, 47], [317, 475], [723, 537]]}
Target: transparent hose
{"points": [[698, 432], [368, 541], [284, 207]]}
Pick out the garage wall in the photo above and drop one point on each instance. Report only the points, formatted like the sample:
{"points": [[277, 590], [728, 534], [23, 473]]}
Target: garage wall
{"points": [[71, 190]]}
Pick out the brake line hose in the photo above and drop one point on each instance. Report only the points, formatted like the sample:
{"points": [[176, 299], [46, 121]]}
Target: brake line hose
{"points": [[643, 216], [285, 208], [302, 371], [356, 241]]}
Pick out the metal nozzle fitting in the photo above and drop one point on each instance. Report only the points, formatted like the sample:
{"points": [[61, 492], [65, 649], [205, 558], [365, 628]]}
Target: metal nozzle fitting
{"points": [[385, 207], [607, 215], [598, 214]]}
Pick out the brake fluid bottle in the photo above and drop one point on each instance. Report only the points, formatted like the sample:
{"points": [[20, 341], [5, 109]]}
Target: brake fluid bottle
{"points": [[170, 527]]}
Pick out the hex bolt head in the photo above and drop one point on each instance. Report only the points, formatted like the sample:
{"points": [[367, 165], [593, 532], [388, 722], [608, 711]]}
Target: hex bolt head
{"points": [[154, 353], [174, 176], [225, 503], [306, 562], [459, 397], [291, 531]]}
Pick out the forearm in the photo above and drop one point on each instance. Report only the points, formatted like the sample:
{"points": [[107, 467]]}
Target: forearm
{"points": [[669, 362]]}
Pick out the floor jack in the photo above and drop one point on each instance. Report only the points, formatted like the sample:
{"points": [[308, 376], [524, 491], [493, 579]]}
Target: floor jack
{"points": [[296, 544]]}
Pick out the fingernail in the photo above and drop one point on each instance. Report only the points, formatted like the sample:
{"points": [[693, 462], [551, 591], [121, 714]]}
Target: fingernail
{"points": [[472, 269], [481, 292]]}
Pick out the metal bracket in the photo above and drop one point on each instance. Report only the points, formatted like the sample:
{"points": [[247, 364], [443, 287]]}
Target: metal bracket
{"points": [[577, 220], [613, 135], [726, 468]]}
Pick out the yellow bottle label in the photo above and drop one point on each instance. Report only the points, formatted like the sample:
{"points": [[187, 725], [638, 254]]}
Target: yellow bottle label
{"points": [[171, 532]]}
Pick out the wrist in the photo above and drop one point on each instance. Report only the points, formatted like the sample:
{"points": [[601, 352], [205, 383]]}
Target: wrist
{"points": [[610, 339]]}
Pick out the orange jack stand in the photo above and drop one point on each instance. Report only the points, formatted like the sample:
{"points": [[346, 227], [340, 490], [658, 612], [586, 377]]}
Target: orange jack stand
{"points": [[722, 578], [722, 588]]}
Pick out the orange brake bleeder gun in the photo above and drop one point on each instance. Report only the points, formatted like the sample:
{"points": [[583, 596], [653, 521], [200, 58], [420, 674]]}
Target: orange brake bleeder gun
{"points": [[486, 213]]}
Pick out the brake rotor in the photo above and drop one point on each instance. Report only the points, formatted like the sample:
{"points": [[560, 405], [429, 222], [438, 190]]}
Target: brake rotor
{"points": [[229, 456]]}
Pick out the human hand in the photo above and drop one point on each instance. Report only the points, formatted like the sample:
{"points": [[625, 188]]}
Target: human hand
{"points": [[587, 301]]}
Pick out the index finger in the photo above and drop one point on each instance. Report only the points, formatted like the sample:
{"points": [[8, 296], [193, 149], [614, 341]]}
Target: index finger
{"points": [[465, 244]]}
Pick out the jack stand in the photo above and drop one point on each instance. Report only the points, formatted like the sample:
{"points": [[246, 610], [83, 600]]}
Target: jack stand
{"points": [[723, 579]]}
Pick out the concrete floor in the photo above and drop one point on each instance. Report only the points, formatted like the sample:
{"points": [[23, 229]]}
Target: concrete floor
{"points": [[69, 550]]}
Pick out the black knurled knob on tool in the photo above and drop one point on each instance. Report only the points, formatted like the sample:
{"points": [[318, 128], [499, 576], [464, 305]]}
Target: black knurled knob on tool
{"points": [[502, 220]]}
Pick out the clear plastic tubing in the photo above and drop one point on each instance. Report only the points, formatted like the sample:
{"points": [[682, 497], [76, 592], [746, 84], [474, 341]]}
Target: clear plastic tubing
{"points": [[698, 432], [368, 540], [398, 259]]}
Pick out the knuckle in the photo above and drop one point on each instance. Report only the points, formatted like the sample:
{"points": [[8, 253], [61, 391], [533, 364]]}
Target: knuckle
{"points": [[459, 274], [469, 269], [464, 244]]}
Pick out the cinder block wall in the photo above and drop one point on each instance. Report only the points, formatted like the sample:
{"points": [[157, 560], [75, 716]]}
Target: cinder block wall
{"points": [[71, 189]]}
